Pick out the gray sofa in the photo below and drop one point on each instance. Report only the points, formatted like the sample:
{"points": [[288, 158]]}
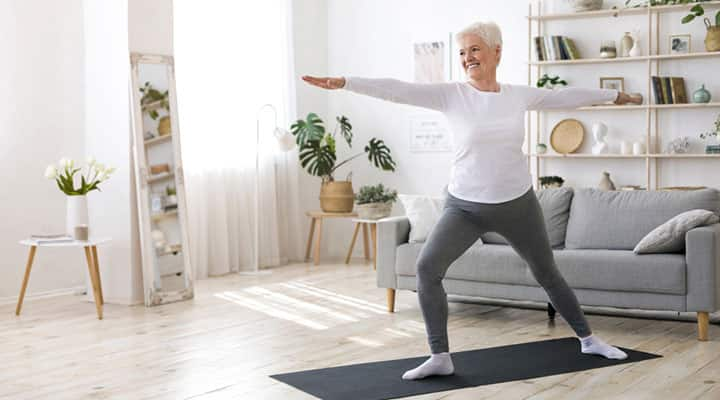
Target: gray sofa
{"points": [[592, 233]]}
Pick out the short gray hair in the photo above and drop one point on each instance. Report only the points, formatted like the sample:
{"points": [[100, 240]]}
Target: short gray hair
{"points": [[488, 31]]}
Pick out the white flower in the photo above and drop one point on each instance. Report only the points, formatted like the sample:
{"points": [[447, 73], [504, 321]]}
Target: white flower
{"points": [[100, 168], [51, 172], [91, 161], [110, 170], [63, 162]]}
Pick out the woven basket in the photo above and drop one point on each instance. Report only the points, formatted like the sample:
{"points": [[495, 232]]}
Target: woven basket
{"points": [[712, 39], [374, 210], [337, 196]]}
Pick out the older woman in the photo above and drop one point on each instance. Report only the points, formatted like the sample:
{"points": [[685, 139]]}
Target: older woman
{"points": [[490, 187]]}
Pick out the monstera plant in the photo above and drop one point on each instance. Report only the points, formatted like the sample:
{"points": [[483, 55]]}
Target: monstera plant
{"points": [[318, 147], [318, 155]]}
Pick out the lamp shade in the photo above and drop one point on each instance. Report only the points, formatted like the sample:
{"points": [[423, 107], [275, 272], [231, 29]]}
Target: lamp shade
{"points": [[285, 139]]}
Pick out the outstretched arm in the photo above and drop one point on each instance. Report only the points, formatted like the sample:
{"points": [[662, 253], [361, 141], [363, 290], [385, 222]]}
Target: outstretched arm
{"points": [[573, 97], [427, 95]]}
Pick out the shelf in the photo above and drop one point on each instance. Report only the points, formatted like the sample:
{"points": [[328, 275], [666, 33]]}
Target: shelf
{"points": [[161, 216], [157, 140], [586, 155], [702, 54], [620, 12], [160, 177], [636, 107], [153, 106]]}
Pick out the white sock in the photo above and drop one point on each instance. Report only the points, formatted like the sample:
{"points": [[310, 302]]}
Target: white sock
{"points": [[594, 345], [437, 364]]}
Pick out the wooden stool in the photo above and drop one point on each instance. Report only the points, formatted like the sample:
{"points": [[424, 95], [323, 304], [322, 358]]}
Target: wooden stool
{"points": [[317, 219], [373, 235]]}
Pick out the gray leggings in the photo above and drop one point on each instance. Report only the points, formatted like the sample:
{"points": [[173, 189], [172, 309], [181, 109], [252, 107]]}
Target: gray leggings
{"points": [[520, 221]]}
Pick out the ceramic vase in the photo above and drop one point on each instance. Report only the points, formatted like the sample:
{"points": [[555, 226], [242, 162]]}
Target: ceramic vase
{"points": [[605, 182], [701, 95], [77, 213], [636, 50], [626, 43]]}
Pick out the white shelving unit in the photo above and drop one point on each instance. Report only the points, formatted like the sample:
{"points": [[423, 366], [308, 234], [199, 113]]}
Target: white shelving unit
{"points": [[536, 19]]}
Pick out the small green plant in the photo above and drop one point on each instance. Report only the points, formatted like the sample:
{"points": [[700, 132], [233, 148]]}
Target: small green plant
{"points": [[550, 81], [318, 152], [64, 176], [375, 194], [170, 190], [697, 11], [153, 99], [715, 132], [550, 181]]}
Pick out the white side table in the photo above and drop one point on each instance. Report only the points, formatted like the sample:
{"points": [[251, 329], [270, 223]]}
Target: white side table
{"points": [[90, 247]]}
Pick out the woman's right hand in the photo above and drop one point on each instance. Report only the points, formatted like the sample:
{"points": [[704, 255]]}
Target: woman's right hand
{"points": [[325, 83]]}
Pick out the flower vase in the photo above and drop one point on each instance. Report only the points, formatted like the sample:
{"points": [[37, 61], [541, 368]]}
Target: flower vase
{"points": [[77, 213]]}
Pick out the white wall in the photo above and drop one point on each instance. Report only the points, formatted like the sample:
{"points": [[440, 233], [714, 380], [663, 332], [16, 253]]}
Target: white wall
{"points": [[41, 120], [310, 28], [374, 38]]}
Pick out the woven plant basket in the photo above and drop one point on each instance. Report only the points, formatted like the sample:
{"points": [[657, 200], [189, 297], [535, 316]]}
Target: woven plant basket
{"points": [[337, 196]]}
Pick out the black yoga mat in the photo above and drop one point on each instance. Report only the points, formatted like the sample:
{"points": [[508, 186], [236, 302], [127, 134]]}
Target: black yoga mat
{"points": [[382, 380]]}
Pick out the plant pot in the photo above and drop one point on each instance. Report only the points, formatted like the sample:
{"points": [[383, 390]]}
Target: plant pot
{"points": [[337, 196], [164, 126], [712, 39], [77, 213], [374, 210]]}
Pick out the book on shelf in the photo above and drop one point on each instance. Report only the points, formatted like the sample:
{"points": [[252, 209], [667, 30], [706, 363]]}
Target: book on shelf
{"points": [[669, 90], [555, 47]]}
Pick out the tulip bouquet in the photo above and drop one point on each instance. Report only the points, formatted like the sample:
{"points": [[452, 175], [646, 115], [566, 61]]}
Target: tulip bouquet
{"points": [[64, 176]]}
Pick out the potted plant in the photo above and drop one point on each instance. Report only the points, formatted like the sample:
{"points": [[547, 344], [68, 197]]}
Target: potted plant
{"points": [[64, 176], [551, 182], [712, 37], [151, 101], [317, 154], [550, 82], [170, 198], [713, 148], [374, 202]]}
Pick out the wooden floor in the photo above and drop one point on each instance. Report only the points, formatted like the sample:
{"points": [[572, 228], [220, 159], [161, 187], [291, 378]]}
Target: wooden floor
{"points": [[240, 329]]}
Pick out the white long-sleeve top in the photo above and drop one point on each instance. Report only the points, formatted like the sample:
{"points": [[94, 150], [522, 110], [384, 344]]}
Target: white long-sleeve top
{"points": [[487, 128]]}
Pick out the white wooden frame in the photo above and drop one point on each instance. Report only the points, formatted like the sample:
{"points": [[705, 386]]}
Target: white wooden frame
{"points": [[152, 295]]}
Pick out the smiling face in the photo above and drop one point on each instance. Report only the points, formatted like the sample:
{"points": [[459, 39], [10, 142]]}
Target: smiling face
{"points": [[478, 60]]}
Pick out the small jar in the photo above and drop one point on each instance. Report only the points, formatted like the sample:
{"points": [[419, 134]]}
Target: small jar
{"points": [[607, 49], [638, 148], [541, 148]]}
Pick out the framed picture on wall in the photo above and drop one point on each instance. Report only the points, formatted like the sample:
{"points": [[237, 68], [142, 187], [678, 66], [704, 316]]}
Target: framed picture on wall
{"points": [[430, 62], [429, 133], [617, 83], [679, 44]]}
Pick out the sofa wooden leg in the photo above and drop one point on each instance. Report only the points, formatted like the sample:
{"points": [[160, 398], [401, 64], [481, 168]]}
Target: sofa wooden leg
{"points": [[551, 311], [703, 321], [391, 300]]}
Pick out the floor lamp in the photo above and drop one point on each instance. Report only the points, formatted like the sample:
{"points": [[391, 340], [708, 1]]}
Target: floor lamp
{"points": [[285, 142]]}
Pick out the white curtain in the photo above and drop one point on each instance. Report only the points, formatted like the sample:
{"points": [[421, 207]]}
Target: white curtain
{"points": [[231, 58]]}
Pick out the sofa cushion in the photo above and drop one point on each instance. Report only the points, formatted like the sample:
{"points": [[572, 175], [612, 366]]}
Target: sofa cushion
{"points": [[618, 220], [555, 204], [481, 262], [670, 236], [614, 270], [622, 270]]}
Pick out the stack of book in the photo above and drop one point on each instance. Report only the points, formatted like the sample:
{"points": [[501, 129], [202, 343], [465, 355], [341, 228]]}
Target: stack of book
{"points": [[712, 149], [552, 48], [669, 90]]}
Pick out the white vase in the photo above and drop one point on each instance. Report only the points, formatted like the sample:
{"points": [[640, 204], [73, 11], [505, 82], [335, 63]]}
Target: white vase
{"points": [[77, 213], [636, 50]]}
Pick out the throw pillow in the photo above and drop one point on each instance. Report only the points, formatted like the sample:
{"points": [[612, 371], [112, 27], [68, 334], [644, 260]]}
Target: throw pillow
{"points": [[423, 212], [670, 236]]}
